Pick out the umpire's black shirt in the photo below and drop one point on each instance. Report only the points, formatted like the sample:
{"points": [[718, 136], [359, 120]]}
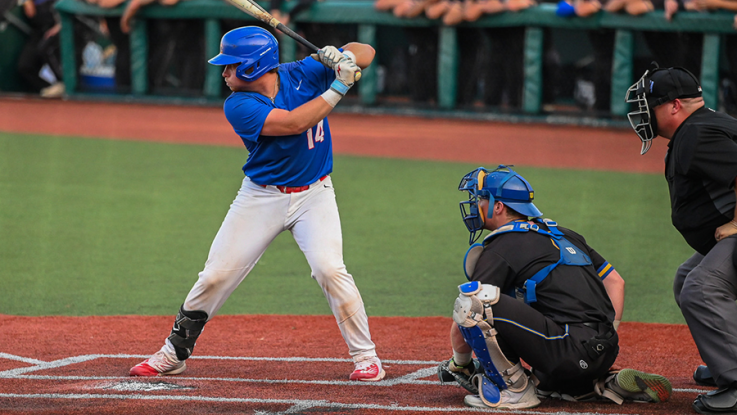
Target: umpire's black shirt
{"points": [[569, 294], [700, 166]]}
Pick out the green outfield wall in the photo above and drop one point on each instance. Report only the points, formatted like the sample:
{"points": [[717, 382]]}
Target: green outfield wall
{"points": [[369, 21]]}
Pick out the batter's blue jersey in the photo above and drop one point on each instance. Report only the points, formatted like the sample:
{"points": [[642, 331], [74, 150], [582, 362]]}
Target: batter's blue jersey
{"points": [[290, 160]]}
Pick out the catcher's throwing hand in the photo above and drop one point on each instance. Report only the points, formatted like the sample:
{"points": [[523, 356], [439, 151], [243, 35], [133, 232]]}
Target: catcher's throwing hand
{"points": [[329, 56]]}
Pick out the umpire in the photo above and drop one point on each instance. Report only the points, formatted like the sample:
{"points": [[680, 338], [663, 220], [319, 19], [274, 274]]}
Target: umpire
{"points": [[701, 170]]}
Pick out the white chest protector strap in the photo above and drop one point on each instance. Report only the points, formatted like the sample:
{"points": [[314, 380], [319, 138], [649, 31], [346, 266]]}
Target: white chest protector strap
{"points": [[473, 314]]}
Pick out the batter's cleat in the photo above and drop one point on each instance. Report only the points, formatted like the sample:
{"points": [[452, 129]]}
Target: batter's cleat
{"points": [[509, 400], [633, 385], [368, 370], [159, 365]]}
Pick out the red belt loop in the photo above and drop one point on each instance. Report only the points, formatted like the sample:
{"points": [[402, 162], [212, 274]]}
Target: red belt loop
{"points": [[296, 189]]}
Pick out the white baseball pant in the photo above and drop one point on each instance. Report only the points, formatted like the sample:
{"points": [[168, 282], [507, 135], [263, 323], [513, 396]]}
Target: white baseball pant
{"points": [[256, 216]]}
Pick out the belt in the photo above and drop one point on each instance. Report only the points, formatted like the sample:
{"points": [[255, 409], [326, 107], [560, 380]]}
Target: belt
{"points": [[295, 189]]}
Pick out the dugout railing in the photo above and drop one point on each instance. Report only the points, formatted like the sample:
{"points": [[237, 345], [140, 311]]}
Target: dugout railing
{"points": [[362, 13]]}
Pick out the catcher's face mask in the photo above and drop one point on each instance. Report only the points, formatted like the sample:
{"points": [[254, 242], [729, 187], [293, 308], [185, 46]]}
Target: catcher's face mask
{"points": [[473, 183], [642, 119]]}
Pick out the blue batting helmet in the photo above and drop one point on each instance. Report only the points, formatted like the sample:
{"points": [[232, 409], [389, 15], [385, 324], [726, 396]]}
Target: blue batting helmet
{"points": [[253, 47], [503, 185]]}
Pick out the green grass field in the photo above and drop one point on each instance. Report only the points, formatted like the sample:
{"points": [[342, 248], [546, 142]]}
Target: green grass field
{"points": [[102, 227]]}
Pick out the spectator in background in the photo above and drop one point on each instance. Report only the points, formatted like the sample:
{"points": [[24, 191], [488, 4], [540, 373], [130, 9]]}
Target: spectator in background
{"points": [[674, 48], [503, 85], [175, 52], [122, 45], [285, 17], [729, 82], [42, 48]]}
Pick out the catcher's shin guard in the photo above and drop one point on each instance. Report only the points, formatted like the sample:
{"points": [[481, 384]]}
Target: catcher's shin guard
{"points": [[473, 314], [187, 328]]}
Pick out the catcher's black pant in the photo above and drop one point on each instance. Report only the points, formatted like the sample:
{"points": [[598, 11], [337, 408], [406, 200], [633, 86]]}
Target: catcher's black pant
{"points": [[562, 357], [705, 288]]}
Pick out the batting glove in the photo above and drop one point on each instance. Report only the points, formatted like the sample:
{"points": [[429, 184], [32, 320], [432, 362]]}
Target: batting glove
{"points": [[329, 56], [346, 73]]}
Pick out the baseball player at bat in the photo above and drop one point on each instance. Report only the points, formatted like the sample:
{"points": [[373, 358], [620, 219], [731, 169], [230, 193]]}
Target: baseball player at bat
{"points": [[280, 112], [539, 293]]}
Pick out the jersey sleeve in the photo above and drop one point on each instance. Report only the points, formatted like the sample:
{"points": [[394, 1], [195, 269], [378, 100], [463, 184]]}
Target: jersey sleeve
{"points": [[319, 75], [247, 114], [602, 266], [493, 269], [715, 156]]}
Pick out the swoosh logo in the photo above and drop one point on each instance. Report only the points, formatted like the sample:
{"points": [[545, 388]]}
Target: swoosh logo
{"points": [[300, 84]]}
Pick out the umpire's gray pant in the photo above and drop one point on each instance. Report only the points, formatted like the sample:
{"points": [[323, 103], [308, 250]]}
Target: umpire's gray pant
{"points": [[705, 288]]}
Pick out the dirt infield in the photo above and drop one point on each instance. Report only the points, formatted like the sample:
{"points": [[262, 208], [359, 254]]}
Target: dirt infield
{"points": [[276, 364], [382, 136], [297, 364]]}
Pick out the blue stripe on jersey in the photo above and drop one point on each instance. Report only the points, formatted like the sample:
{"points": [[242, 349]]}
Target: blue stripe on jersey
{"points": [[605, 270], [292, 160]]}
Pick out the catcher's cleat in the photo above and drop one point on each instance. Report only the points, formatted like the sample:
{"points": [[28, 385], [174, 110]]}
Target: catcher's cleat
{"points": [[449, 371], [633, 385], [525, 399], [159, 365], [368, 370]]}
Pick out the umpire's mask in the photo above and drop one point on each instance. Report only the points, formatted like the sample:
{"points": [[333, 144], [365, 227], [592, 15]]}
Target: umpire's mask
{"points": [[657, 86]]}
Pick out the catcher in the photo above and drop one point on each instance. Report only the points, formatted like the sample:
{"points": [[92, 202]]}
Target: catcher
{"points": [[537, 293]]}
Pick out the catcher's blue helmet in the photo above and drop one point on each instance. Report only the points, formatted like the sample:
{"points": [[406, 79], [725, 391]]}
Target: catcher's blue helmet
{"points": [[253, 47], [503, 185]]}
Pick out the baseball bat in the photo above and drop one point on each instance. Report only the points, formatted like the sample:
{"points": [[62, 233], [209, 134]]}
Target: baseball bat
{"points": [[253, 9]]}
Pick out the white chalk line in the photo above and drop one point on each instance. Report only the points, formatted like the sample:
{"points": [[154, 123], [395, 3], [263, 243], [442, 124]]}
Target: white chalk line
{"points": [[414, 378], [302, 404], [20, 359]]}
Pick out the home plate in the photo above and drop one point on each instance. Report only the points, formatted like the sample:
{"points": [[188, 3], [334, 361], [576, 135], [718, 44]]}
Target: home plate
{"points": [[145, 386]]}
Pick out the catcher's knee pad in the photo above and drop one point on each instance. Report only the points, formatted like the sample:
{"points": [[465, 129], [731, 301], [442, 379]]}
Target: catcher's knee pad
{"points": [[473, 314], [187, 328]]}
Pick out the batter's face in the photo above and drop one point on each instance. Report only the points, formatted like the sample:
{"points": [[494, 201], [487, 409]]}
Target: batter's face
{"points": [[234, 83]]}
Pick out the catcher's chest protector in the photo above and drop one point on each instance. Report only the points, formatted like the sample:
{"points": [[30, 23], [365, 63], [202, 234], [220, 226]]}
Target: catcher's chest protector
{"points": [[569, 253]]}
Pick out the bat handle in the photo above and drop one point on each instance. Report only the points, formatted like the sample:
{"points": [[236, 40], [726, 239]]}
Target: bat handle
{"points": [[289, 32]]}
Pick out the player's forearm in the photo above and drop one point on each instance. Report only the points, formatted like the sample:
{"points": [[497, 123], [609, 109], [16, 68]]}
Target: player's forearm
{"points": [[720, 5], [281, 122], [364, 53], [614, 285]]}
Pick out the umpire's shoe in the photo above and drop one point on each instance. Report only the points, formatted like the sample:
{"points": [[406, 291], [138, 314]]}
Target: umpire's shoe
{"points": [[719, 401], [702, 376]]}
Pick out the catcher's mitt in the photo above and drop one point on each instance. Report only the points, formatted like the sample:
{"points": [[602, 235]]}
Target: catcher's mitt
{"points": [[448, 371]]}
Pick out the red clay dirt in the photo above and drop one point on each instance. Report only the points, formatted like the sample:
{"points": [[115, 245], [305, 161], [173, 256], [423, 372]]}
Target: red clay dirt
{"points": [[297, 364], [215, 384], [365, 135]]}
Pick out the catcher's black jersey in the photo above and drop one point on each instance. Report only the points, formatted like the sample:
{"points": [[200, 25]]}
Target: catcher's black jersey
{"points": [[569, 294], [700, 167]]}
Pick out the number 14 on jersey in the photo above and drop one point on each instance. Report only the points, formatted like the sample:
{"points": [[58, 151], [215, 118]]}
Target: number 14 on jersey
{"points": [[319, 135]]}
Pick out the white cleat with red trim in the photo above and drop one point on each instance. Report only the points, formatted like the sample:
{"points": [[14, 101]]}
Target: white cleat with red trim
{"points": [[159, 365], [368, 370]]}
